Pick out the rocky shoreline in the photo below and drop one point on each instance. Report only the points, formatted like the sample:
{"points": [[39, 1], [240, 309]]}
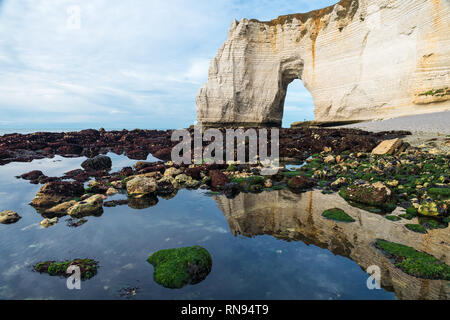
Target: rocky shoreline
{"points": [[375, 172]]}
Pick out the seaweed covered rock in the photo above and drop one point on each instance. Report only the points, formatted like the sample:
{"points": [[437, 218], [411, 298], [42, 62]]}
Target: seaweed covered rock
{"points": [[9, 217], [56, 192], [91, 206], [140, 186], [375, 197], [186, 181], [176, 268], [88, 268], [413, 262], [97, 163], [432, 209]]}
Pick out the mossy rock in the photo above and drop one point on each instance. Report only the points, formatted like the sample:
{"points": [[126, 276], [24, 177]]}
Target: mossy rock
{"points": [[429, 209], [88, 268], [176, 268], [413, 262], [337, 214], [416, 228], [369, 198], [406, 216], [411, 211], [431, 223], [393, 218]]}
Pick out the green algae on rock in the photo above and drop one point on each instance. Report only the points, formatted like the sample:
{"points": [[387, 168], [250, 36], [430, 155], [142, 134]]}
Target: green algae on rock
{"points": [[88, 267], [413, 262], [416, 228], [176, 268], [393, 218], [337, 214]]}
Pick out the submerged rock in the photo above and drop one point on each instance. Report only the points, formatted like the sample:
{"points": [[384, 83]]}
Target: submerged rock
{"points": [[100, 162], [49, 222], [9, 217], [176, 268], [88, 268]]}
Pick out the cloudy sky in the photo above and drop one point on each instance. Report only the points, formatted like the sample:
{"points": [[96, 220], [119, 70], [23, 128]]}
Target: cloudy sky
{"points": [[123, 64]]}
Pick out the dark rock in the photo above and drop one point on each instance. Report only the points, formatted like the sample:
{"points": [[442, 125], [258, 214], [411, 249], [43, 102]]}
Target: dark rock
{"points": [[165, 188], [55, 192], [231, 190], [97, 163], [32, 175], [301, 183], [194, 172], [163, 154], [126, 172], [218, 179]]}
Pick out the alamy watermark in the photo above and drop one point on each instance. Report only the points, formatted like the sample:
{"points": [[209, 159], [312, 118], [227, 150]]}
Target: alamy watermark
{"points": [[251, 147], [374, 281], [73, 21], [74, 280]]}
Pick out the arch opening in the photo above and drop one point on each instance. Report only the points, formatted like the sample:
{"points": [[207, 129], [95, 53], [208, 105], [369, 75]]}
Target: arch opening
{"points": [[298, 104]]}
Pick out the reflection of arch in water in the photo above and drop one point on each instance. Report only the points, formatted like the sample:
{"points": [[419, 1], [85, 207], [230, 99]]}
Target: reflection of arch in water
{"points": [[298, 217]]}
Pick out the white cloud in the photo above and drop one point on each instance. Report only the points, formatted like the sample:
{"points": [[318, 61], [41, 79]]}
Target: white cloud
{"points": [[145, 59]]}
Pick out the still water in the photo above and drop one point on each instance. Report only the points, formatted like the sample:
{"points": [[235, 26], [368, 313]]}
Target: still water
{"points": [[257, 252]]}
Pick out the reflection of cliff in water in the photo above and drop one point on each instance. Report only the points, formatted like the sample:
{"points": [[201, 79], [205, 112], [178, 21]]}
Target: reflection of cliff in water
{"points": [[298, 217]]}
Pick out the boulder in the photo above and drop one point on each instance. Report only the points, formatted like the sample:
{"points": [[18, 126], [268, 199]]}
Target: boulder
{"points": [[100, 162], [186, 181], [170, 172], [9, 217], [111, 191], [218, 179], [140, 185], [49, 222], [91, 206], [387, 147], [176, 268], [375, 197], [56, 192]]}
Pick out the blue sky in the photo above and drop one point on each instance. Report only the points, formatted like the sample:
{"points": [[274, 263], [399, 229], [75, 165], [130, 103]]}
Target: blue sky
{"points": [[130, 64]]}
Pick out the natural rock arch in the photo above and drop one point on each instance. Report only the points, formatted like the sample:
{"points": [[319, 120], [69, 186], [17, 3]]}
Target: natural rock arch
{"points": [[360, 59]]}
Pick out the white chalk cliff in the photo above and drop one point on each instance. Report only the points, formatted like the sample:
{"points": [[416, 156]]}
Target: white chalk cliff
{"points": [[359, 59]]}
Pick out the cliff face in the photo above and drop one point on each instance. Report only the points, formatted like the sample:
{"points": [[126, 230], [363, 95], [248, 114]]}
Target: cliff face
{"points": [[360, 59]]}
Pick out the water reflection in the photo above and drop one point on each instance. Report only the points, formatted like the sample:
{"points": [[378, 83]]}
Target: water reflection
{"points": [[298, 217]]}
